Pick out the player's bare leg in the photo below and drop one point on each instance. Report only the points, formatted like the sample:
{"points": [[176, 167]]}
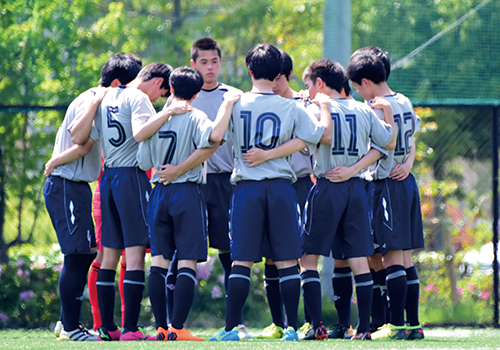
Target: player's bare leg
{"points": [[414, 329]]}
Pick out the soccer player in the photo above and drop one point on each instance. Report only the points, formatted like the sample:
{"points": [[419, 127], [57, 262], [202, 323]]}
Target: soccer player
{"points": [[264, 203], [125, 190], [336, 218], [68, 197], [397, 219]]}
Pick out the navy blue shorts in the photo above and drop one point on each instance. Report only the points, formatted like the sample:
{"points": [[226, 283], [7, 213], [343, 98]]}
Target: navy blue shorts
{"points": [[337, 219], [125, 192], [302, 186], [217, 192], [260, 210], [69, 204], [397, 219], [178, 221]]}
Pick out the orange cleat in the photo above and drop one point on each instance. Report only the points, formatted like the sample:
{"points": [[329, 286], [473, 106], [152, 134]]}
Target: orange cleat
{"points": [[181, 334]]}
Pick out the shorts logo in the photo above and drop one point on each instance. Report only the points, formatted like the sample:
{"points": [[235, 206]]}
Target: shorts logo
{"points": [[71, 208], [386, 214], [336, 298], [147, 196]]}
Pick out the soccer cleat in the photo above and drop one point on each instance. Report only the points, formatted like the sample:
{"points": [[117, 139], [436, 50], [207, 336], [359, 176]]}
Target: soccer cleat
{"points": [[226, 336], [290, 335], [138, 335], [319, 333], [147, 335], [390, 331], [162, 334], [305, 328], [243, 332], [182, 334], [341, 332], [272, 332], [79, 334], [415, 332], [310, 334], [105, 335], [58, 328], [362, 336]]}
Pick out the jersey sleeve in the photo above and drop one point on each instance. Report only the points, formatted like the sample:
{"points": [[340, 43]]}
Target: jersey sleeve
{"points": [[144, 155], [141, 111], [308, 128], [79, 111], [202, 131], [381, 132]]}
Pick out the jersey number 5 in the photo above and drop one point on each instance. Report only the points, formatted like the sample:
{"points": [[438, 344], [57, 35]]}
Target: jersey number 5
{"points": [[172, 135], [259, 130], [112, 123]]}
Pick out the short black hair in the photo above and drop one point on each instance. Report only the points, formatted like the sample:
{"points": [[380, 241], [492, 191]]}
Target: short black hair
{"points": [[186, 81], [332, 73], [157, 70], [265, 61], [346, 86], [119, 67], [376, 51], [287, 65], [134, 58], [205, 44], [366, 66]]}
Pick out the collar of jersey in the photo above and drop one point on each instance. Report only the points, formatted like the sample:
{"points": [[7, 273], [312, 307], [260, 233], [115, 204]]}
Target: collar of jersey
{"points": [[261, 93], [215, 88], [122, 86]]}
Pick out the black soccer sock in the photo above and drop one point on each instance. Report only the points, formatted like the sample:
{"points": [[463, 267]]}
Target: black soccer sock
{"points": [[382, 275], [157, 295], [342, 288], [396, 291], [183, 296], [106, 295], [378, 304], [171, 280], [272, 285], [290, 293], [311, 290], [412, 296], [307, 315], [225, 260], [133, 287], [364, 293], [237, 293]]}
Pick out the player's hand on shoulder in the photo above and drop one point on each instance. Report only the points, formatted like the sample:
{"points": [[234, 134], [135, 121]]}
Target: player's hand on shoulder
{"points": [[100, 93], [168, 173], [400, 172], [339, 174], [304, 94], [254, 157], [380, 102], [50, 166], [180, 107], [232, 96], [321, 98]]}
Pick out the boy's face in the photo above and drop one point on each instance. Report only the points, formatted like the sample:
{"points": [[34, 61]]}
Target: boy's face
{"points": [[280, 85], [157, 92], [208, 63], [363, 89], [313, 89]]}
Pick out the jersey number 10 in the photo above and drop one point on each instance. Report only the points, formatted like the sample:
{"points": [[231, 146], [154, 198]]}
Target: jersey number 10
{"points": [[259, 130]]}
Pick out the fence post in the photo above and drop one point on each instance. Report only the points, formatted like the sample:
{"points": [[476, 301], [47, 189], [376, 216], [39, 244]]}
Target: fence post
{"points": [[494, 124]]}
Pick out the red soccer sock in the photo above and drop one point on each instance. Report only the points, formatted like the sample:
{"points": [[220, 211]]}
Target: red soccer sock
{"points": [[94, 302], [123, 268]]}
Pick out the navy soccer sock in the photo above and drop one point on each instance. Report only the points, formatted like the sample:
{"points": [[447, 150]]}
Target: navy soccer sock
{"points": [[237, 293], [382, 274], [183, 296], [272, 284], [225, 260], [342, 288], [171, 280], [133, 287], [311, 290], [290, 293], [364, 293], [157, 295], [396, 291], [412, 296], [378, 303], [106, 295]]}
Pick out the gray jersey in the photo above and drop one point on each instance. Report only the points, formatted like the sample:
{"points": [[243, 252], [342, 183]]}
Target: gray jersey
{"points": [[354, 127], [122, 111], [267, 121], [87, 168], [302, 161], [222, 161], [407, 124], [174, 142]]}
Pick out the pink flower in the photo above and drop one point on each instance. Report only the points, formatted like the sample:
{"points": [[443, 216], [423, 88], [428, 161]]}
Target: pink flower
{"points": [[204, 272], [20, 272], [58, 267], [26, 274], [436, 290], [484, 295], [354, 299], [216, 292], [472, 287], [26, 295], [20, 263], [221, 279], [3, 317], [460, 291], [429, 287]]}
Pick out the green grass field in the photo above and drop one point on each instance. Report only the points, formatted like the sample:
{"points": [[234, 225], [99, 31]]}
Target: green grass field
{"points": [[460, 338]]}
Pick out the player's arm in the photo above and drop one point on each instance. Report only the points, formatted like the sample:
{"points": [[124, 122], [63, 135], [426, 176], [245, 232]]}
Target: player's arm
{"points": [[343, 173], [154, 123], [224, 115], [256, 156], [325, 117], [80, 129], [401, 171], [71, 154], [170, 173], [382, 103]]}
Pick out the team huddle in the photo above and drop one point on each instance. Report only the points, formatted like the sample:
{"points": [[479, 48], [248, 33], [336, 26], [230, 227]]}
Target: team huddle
{"points": [[234, 171]]}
